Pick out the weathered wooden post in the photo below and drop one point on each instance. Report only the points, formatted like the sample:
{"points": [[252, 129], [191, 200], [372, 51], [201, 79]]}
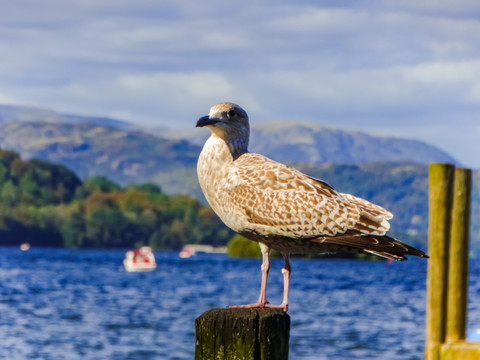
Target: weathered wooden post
{"points": [[440, 204], [458, 263], [447, 284], [243, 334]]}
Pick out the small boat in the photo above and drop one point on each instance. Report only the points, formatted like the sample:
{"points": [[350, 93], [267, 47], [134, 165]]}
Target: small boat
{"points": [[191, 249], [187, 252], [140, 260], [24, 246]]}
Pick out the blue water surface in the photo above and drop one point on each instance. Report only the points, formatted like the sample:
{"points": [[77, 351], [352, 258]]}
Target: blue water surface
{"points": [[82, 304]]}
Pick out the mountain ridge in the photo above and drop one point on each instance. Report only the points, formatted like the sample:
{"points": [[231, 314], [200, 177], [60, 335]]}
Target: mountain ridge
{"points": [[128, 154], [281, 140]]}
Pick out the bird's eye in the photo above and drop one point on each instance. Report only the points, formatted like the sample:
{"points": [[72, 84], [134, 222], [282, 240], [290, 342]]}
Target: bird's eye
{"points": [[231, 113]]}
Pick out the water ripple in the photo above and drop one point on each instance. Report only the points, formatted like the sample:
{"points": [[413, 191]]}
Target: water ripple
{"points": [[66, 304]]}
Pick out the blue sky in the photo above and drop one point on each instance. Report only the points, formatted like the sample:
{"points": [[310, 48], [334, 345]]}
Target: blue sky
{"points": [[397, 68]]}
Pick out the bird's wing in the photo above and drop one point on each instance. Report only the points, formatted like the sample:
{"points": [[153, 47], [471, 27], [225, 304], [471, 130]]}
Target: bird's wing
{"points": [[280, 200]]}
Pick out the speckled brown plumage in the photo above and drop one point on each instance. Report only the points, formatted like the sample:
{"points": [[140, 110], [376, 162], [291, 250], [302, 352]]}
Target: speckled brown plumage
{"points": [[280, 207]]}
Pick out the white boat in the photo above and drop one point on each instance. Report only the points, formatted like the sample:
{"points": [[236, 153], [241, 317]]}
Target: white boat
{"points": [[192, 249], [140, 260], [187, 252]]}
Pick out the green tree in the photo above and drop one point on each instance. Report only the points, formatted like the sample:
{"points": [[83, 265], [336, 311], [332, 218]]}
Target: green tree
{"points": [[10, 194], [239, 246], [74, 230], [108, 228], [96, 184]]}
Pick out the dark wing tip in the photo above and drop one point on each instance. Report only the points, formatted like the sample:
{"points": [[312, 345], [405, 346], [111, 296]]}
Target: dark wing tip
{"points": [[383, 246]]}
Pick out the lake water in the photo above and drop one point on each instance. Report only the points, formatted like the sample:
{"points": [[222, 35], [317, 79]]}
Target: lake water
{"points": [[81, 304]]}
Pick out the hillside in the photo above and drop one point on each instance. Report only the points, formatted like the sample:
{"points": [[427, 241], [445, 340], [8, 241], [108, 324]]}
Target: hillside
{"points": [[316, 144], [134, 156], [123, 156], [127, 153], [48, 205], [11, 113], [282, 141]]}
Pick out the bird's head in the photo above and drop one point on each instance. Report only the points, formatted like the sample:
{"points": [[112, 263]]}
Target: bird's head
{"points": [[229, 122]]}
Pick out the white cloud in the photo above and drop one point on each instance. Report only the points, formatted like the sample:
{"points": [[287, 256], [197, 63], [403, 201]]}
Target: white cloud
{"points": [[6, 99], [175, 88], [431, 87], [468, 8]]}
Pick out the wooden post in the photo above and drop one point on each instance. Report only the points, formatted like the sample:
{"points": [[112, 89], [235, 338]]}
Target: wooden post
{"points": [[440, 204], [458, 263], [243, 334]]}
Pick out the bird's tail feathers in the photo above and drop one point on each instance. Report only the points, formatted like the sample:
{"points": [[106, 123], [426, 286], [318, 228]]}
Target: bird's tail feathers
{"points": [[384, 246]]}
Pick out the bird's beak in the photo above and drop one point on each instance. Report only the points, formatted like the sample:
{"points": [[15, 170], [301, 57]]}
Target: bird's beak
{"points": [[206, 120]]}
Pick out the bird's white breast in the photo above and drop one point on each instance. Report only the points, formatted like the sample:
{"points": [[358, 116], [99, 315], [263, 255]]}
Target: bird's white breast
{"points": [[215, 169]]}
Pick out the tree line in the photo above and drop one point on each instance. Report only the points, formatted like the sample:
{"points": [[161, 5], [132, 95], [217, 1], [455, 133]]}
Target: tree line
{"points": [[48, 205]]}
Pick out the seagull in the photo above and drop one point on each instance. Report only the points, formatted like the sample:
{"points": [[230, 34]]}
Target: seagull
{"points": [[281, 208]]}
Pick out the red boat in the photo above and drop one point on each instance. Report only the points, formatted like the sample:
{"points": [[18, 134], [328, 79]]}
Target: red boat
{"points": [[140, 260], [187, 252]]}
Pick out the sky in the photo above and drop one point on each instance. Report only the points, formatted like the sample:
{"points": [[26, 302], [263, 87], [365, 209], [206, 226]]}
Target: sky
{"points": [[407, 69]]}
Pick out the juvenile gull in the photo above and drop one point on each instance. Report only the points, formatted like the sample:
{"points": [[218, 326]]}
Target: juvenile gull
{"points": [[280, 207]]}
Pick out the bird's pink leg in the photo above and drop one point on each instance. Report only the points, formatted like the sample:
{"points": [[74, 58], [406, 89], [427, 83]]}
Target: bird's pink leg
{"points": [[286, 271], [286, 282], [262, 299]]}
